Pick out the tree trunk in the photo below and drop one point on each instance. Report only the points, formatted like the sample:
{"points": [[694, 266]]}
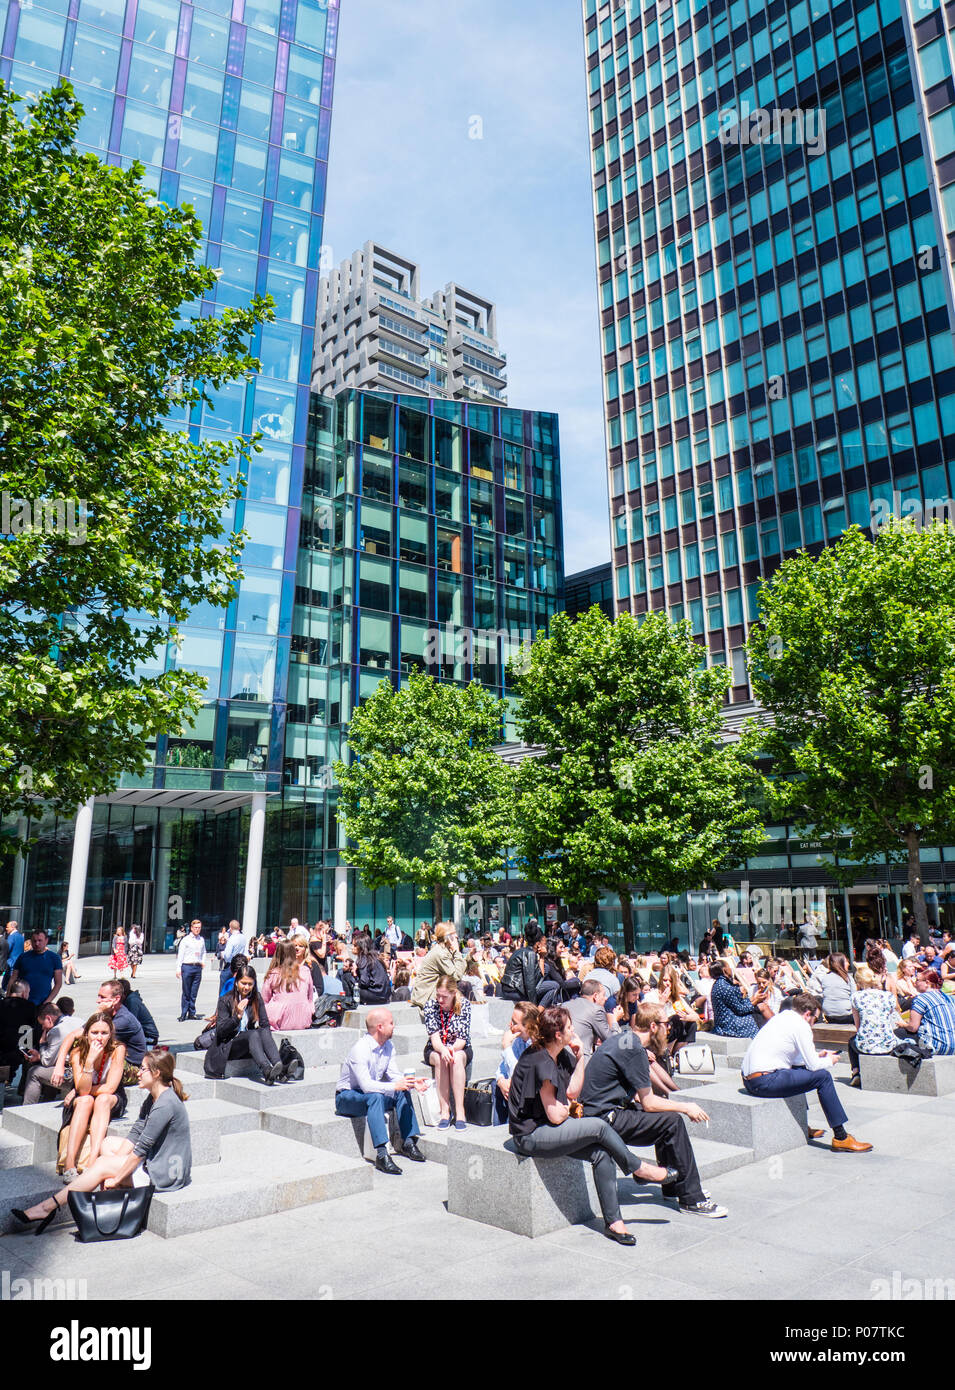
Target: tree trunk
{"points": [[626, 909], [437, 903], [916, 887]]}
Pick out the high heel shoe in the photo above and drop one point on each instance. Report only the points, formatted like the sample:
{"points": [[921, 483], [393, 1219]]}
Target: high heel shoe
{"points": [[40, 1223], [671, 1176]]}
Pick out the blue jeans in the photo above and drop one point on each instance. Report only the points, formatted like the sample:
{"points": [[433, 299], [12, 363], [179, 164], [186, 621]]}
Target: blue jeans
{"points": [[374, 1105], [796, 1081]]}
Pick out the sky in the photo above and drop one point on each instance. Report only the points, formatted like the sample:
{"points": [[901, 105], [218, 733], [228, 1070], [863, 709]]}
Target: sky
{"points": [[460, 141]]}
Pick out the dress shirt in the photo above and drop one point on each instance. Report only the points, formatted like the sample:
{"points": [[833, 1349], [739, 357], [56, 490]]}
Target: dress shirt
{"points": [[369, 1067], [393, 934], [784, 1041], [192, 951], [50, 1045], [235, 946]]}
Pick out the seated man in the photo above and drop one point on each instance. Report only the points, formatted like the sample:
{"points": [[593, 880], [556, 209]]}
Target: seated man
{"points": [[617, 1089], [41, 1059], [782, 1061], [128, 1029], [133, 1002], [932, 1015], [592, 1023], [371, 1084], [17, 1017]]}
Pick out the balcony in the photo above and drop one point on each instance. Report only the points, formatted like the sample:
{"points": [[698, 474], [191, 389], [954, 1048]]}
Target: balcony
{"points": [[470, 360], [400, 354]]}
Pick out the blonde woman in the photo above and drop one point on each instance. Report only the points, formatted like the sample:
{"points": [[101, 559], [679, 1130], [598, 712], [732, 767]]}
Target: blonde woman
{"points": [[905, 982], [444, 958], [876, 1016], [447, 1019]]}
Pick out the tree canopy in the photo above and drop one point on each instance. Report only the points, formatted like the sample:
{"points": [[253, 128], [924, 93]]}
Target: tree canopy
{"points": [[854, 661], [634, 784], [113, 519], [425, 798]]}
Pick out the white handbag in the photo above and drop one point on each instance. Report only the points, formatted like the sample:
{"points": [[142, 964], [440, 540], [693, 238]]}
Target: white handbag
{"points": [[695, 1060], [427, 1106]]}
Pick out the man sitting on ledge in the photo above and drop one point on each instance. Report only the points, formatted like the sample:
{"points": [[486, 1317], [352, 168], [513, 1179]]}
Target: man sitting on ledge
{"points": [[782, 1061], [371, 1084]]}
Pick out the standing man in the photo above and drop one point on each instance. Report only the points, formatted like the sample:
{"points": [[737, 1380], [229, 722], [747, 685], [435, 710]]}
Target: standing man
{"points": [[39, 968], [393, 934], [371, 1084], [236, 944], [190, 960], [782, 1061], [14, 939]]}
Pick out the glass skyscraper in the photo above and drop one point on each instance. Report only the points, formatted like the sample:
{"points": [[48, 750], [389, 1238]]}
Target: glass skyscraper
{"points": [[774, 191]]}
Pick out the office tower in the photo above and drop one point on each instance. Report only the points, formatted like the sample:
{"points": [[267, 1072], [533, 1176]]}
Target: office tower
{"points": [[227, 103], [588, 587], [377, 333], [431, 541], [773, 195]]}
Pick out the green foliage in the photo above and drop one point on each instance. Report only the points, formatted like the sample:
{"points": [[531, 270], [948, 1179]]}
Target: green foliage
{"points": [[94, 277], [854, 660], [426, 798], [634, 784]]}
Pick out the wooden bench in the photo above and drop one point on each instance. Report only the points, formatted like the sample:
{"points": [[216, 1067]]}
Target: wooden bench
{"points": [[833, 1035]]}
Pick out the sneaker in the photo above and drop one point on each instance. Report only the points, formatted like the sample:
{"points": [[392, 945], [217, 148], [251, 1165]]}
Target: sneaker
{"points": [[70, 1174], [704, 1208]]}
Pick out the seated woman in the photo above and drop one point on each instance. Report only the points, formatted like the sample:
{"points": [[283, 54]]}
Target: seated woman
{"points": [[682, 1021], [402, 985], [447, 1019], [875, 960], [374, 982], [242, 1030], [905, 978], [555, 984], [472, 977], [830, 982], [156, 1151], [514, 1044], [766, 996], [547, 1078], [876, 1016], [288, 991], [734, 1016], [97, 1061]]}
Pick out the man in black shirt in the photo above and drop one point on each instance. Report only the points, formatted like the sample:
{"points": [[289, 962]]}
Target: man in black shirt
{"points": [[618, 1078]]}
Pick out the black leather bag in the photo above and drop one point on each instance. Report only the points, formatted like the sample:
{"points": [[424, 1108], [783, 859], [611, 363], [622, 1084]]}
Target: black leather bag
{"points": [[116, 1215], [291, 1059], [479, 1102]]}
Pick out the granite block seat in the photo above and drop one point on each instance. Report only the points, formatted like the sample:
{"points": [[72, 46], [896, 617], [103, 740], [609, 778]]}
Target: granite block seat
{"points": [[319, 1083], [490, 1182], [764, 1125], [317, 1124], [935, 1077]]}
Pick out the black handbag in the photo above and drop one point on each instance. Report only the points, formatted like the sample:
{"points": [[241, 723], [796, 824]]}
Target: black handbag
{"points": [[116, 1215], [291, 1059], [479, 1102]]}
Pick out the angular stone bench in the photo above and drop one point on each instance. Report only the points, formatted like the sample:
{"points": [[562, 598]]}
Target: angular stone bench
{"points": [[318, 1125], [935, 1077], [489, 1182], [765, 1126]]}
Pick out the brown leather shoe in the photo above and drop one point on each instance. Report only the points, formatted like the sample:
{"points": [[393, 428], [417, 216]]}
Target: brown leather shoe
{"points": [[816, 1133], [850, 1145]]}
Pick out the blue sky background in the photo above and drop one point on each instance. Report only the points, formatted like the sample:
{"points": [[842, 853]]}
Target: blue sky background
{"points": [[508, 215]]}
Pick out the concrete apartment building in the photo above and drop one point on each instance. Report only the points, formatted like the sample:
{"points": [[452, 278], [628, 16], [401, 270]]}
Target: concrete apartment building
{"points": [[375, 332]]}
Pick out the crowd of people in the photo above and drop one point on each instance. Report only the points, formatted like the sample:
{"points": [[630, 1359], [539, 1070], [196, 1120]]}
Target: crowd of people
{"points": [[586, 1064]]}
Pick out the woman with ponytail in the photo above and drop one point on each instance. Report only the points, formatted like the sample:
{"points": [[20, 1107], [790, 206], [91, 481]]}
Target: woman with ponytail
{"points": [[157, 1150]]}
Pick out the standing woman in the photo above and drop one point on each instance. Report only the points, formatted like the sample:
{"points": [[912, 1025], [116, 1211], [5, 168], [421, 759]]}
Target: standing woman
{"points": [[157, 1150], [97, 1061], [546, 1079], [135, 947], [447, 1020], [289, 991], [117, 961], [242, 1030]]}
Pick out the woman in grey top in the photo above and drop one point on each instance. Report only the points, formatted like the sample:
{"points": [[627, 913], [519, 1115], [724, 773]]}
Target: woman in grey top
{"points": [[157, 1151]]}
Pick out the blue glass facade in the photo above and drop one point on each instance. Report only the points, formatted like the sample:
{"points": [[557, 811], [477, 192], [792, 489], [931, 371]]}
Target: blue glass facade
{"points": [[777, 332]]}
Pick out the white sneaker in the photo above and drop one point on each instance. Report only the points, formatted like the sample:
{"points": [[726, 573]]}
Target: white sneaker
{"points": [[70, 1174], [704, 1208]]}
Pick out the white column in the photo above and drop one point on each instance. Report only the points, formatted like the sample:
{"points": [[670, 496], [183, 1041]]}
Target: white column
{"points": [[253, 867], [19, 872], [82, 834], [341, 899], [457, 911]]}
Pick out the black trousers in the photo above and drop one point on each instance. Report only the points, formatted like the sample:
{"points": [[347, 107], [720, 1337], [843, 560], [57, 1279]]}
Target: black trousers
{"points": [[667, 1133], [258, 1044]]}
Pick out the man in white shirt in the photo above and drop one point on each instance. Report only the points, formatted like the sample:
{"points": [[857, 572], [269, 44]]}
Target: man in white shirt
{"points": [[190, 959], [782, 1061], [912, 946], [371, 1084], [393, 933], [236, 944]]}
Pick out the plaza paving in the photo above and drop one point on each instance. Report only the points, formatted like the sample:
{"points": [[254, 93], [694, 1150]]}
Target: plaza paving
{"points": [[806, 1224]]}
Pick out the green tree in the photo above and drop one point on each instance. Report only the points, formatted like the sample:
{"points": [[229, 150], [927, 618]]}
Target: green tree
{"points": [[426, 798], [113, 523], [633, 784], [854, 661]]}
